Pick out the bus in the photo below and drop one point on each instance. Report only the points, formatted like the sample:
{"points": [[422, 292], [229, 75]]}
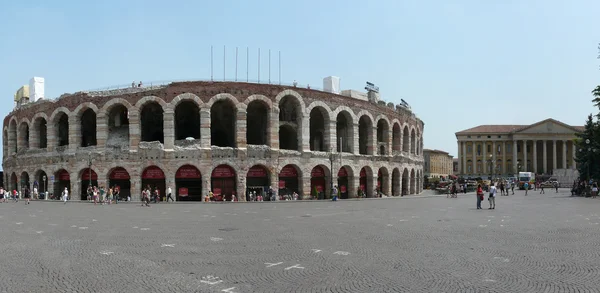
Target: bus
{"points": [[528, 177]]}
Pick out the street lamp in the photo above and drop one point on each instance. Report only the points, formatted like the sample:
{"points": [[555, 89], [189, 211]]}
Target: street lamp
{"points": [[491, 165], [45, 187], [90, 169], [331, 158]]}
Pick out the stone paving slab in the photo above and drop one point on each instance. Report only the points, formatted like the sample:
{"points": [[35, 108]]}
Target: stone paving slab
{"points": [[534, 243]]}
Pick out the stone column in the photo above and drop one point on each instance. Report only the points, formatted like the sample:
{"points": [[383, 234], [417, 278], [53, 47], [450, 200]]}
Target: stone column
{"points": [[75, 188], [304, 134], [205, 129], [460, 157], [553, 155], [503, 168], [525, 167], [51, 140], [484, 160], [354, 145], [372, 143], [305, 191], [101, 130], [241, 183], [474, 153], [564, 156], [170, 182], [494, 151], [169, 129], [136, 187], [274, 129], [240, 134], [535, 156], [389, 144], [332, 144], [74, 132], [514, 157], [134, 131]]}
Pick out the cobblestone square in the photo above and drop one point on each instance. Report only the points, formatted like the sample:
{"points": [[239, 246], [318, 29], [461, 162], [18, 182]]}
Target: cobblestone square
{"points": [[534, 243]]}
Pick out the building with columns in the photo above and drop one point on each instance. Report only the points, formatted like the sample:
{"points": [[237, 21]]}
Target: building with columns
{"points": [[437, 163], [505, 150]]}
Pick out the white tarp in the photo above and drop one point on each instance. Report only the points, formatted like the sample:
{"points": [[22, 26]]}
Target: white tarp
{"points": [[36, 88], [331, 84]]}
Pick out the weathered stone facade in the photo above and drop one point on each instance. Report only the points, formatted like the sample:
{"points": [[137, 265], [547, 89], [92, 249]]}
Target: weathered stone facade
{"points": [[59, 137]]}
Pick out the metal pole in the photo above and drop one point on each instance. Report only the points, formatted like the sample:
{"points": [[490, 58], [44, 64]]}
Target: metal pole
{"points": [[269, 66], [211, 63], [236, 61]]}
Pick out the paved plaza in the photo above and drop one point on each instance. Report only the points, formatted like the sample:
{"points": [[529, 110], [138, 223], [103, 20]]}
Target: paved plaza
{"points": [[538, 243]]}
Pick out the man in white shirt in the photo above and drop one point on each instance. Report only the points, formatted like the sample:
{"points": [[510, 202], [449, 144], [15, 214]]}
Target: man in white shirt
{"points": [[492, 197], [65, 195], [169, 196]]}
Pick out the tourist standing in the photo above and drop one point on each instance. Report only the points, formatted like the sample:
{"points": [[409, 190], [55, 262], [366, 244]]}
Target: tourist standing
{"points": [[594, 190], [65, 195], [556, 184], [334, 193], [479, 195], [542, 188], [526, 186], [27, 195], [492, 197]]}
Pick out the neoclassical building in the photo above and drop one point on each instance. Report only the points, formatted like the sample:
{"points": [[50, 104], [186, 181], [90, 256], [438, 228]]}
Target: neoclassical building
{"points": [[225, 137], [437, 163], [505, 150]]}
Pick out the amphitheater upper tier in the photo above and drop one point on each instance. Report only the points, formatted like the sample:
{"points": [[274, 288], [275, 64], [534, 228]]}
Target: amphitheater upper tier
{"points": [[225, 137]]}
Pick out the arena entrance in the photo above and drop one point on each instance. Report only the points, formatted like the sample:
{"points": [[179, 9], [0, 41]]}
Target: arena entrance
{"points": [[62, 181], [223, 183], [257, 182], [343, 182], [288, 181], [120, 182], [14, 183], [364, 183], [154, 178], [317, 183], [85, 181], [188, 184]]}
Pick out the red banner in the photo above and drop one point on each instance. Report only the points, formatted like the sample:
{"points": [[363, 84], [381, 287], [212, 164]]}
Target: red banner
{"points": [[188, 171], [119, 174], [343, 189], [257, 172], [362, 187], [281, 184], [86, 175], [288, 171], [342, 172], [216, 191], [153, 172], [62, 175], [319, 188], [363, 172], [223, 171], [183, 191], [317, 172]]}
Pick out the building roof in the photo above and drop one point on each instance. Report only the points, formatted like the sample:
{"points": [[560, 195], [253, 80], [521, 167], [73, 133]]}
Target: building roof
{"points": [[511, 128], [435, 151]]}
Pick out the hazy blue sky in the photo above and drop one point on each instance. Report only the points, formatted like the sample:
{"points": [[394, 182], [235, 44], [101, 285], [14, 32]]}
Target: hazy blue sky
{"points": [[458, 63]]}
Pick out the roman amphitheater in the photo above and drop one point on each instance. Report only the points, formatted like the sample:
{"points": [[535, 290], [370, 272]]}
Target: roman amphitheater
{"points": [[227, 137]]}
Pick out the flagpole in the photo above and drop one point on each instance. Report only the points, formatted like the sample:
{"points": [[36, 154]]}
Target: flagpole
{"points": [[236, 61], [211, 63]]}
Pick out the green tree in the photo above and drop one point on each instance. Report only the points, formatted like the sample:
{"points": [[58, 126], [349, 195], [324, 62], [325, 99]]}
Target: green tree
{"points": [[585, 144]]}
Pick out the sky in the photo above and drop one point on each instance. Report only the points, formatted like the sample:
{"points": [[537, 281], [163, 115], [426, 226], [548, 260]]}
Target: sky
{"points": [[458, 64]]}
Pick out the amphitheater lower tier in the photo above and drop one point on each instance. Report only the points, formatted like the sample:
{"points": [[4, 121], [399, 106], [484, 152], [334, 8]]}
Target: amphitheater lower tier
{"points": [[227, 172]]}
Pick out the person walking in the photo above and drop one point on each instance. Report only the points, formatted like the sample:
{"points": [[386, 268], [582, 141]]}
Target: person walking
{"points": [[334, 193], [65, 195], [526, 186], [479, 196], [556, 185], [27, 195], [542, 188], [169, 194], [492, 197], [594, 190]]}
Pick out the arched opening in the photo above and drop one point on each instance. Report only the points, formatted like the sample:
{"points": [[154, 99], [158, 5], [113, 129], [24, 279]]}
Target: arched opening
{"points": [[25, 184], [396, 139], [120, 181], [118, 127], [365, 135], [366, 177], [405, 140], [12, 136], [153, 178], [62, 129], [344, 132], [413, 184], [62, 180], [223, 183], [187, 120], [41, 182], [88, 128], [5, 143], [222, 124], [318, 184], [344, 182], [188, 184], [383, 181], [419, 143], [41, 129], [383, 136], [405, 182], [290, 121], [257, 117], [318, 129], [89, 178], [396, 188], [151, 119], [257, 182], [14, 182], [413, 145], [288, 181], [23, 139]]}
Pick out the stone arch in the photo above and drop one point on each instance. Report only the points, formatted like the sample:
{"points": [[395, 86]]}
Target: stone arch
{"points": [[346, 182], [60, 120], [396, 138], [344, 130], [291, 183], [291, 114], [405, 182], [396, 186], [323, 105], [107, 107], [319, 121], [88, 127], [12, 135], [366, 181], [78, 112], [5, 142], [186, 117], [223, 182], [291, 93], [320, 180], [58, 111], [186, 97], [413, 183], [152, 111], [405, 139], [223, 120], [258, 118], [39, 125], [23, 134], [413, 140], [116, 115], [365, 133], [383, 181], [383, 137]]}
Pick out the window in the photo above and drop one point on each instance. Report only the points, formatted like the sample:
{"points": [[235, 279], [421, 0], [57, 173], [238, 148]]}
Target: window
{"points": [[489, 136], [499, 136], [479, 166], [518, 148], [479, 136], [499, 149], [479, 150], [508, 148], [468, 136], [469, 149], [489, 148]]}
